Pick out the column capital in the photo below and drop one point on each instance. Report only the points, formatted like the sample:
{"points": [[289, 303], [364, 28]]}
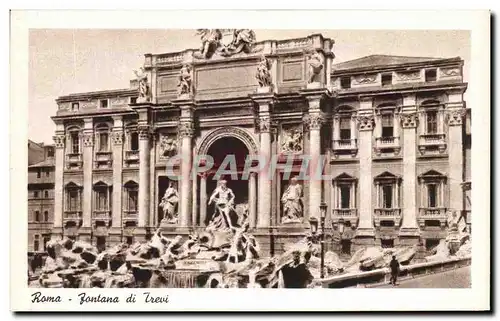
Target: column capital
{"points": [[186, 128], [365, 122], [409, 120], [59, 140], [265, 124], [144, 131], [117, 137], [455, 116], [314, 121], [87, 138]]}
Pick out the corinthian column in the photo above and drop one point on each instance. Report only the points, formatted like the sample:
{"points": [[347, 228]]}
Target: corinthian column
{"points": [[314, 121], [186, 132], [144, 137], [59, 140]]}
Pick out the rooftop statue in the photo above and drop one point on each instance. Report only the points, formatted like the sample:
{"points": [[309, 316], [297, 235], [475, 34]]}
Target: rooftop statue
{"points": [[142, 79], [315, 63], [184, 87], [211, 42], [263, 74]]}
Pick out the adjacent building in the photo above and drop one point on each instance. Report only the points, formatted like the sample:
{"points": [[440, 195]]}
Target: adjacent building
{"points": [[40, 195], [395, 132]]}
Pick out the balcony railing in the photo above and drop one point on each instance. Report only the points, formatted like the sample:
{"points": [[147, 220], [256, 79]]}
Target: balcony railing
{"points": [[74, 160], [434, 214], [103, 159], [101, 215], [131, 157], [387, 142], [345, 214], [432, 139], [345, 144], [387, 214], [129, 216], [74, 216]]}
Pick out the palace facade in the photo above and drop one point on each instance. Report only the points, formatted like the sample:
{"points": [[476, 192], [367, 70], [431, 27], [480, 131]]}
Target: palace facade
{"points": [[41, 168], [395, 131]]}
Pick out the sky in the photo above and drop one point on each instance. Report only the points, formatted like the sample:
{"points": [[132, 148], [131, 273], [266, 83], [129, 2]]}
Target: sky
{"points": [[64, 61]]}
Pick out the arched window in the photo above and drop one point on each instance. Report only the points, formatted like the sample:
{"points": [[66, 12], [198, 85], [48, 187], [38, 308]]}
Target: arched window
{"points": [[37, 216]]}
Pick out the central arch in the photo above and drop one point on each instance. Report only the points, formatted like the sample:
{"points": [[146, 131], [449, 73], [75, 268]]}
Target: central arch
{"points": [[220, 143]]}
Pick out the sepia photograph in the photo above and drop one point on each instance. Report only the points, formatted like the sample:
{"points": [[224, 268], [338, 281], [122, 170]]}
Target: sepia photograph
{"points": [[248, 158]]}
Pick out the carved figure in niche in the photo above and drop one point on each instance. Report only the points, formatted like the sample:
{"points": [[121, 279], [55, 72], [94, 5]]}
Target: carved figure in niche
{"points": [[184, 85], [142, 79], [169, 204], [223, 197], [292, 141], [168, 146], [210, 41], [315, 63], [292, 202], [263, 74]]}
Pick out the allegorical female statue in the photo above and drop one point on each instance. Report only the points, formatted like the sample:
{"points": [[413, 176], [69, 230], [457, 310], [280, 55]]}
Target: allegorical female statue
{"points": [[292, 202], [223, 197], [142, 79], [315, 62], [169, 203], [263, 74], [184, 86]]}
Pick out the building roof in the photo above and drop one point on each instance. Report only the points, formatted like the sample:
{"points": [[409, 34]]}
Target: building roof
{"points": [[49, 162], [373, 61]]}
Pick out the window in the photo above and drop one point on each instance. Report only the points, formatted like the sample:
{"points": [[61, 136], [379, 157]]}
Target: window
{"points": [[101, 197], [73, 200], [432, 195], [387, 80], [37, 216], [46, 194], [387, 196], [38, 173], [133, 100], [103, 142], [430, 75], [36, 243], [345, 82], [345, 196], [431, 243], [35, 194], [75, 143], [50, 152], [387, 125], [46, 216], [134, 141], [47, 172], [345, 128], [75, 106], [345, 247], [387, 243], [132, 200], [46, 239], [130, 240], [103, 103], [432, 122]]}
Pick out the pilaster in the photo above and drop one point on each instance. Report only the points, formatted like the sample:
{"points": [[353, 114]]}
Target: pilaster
{"points": [[117, 149], [366, 122], [455, 118], [59, 144], [88, 144], [409, 125]]}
